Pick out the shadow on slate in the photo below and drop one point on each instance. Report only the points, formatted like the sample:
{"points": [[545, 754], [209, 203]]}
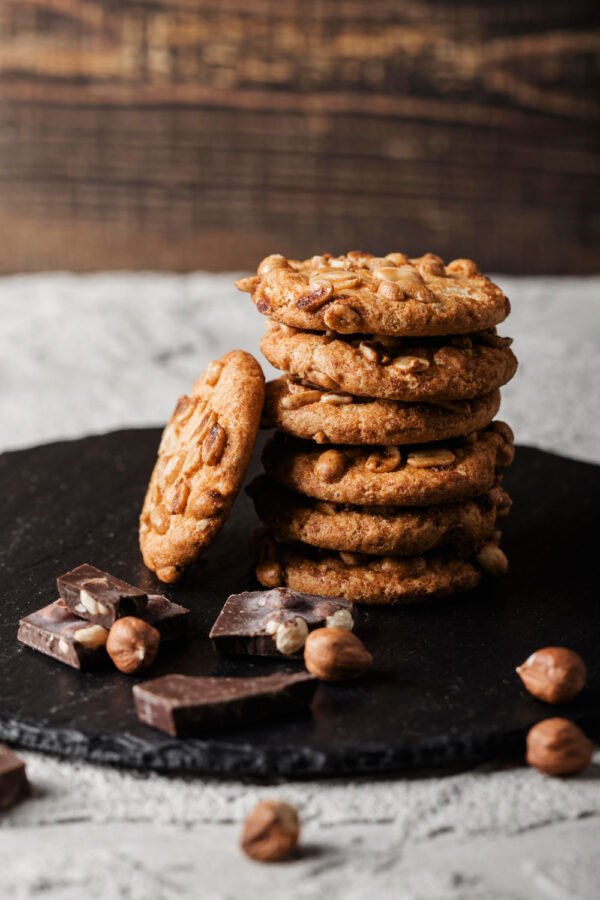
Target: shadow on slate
{"points": [[443, 691]]}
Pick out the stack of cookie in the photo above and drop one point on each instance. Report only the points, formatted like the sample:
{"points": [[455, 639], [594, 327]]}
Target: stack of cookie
{"points": [[383, 481]]}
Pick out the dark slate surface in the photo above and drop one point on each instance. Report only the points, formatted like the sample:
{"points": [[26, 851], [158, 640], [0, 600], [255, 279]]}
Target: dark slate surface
{"points": [[443, 690]]}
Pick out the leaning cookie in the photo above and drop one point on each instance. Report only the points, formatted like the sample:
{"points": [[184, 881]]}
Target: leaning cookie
{"points": [[360, 293], [364, 579], [330, 418], [378, 530], [453, 368], [202, 459], [391, 476]]}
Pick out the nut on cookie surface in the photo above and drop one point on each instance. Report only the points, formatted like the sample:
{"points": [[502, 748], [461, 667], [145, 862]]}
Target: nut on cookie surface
{"points": [[202, 460], [361, 293]]}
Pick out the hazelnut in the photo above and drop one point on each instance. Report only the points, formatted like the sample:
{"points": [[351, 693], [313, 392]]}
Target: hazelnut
{"points": [[291, 636], [492, 560], [558, 747], [335, 654], [330, 465], [271, 832], [341, 618], [132, 644], [270, 574], [553, 674]]}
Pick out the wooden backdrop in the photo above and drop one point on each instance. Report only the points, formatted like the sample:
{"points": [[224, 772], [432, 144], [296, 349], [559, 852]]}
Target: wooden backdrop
{"points": [[181, 134]]}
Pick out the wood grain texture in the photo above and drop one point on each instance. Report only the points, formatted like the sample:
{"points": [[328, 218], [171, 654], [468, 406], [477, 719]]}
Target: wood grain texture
{"points": [[183, 134]]}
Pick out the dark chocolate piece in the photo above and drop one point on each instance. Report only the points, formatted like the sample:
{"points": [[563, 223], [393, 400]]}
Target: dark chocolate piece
{"points": [[248, 622], [184, 705], [56, 632], [169, 618], [98, 597], [13, 778]]}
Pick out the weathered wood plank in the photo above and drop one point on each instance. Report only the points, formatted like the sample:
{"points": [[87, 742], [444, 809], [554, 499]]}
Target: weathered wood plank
{"points": [[182, 134]]}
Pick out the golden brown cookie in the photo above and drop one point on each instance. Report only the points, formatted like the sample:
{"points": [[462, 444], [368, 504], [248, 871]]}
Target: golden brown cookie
{"points": [[365, 579], [378, 530], [392, 476], [410, 369], [360, 293], [330, 418], [202, 460]]}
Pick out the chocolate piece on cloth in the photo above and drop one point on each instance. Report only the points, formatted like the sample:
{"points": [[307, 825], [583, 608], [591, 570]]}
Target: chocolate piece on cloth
{"points": [[56, 632], [185, 705], [99, 597], [169, 618], [13, 778], [263, 623]]}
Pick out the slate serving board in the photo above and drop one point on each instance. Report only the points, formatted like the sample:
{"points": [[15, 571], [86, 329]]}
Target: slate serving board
{"points": [[443, 690]]}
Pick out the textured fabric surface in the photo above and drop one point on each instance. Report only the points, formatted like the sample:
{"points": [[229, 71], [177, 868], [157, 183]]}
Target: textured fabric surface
{"points": [[93, 353]]}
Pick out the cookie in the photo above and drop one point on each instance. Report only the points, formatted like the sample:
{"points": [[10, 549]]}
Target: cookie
{"points": [[378, 530], [409, 369], [202, 459], [366, 579], [360, 293], [330, 418], [390, 476]]}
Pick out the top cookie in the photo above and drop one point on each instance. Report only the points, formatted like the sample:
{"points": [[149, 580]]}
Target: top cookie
{"points": [[202, 460], [361, 293]]}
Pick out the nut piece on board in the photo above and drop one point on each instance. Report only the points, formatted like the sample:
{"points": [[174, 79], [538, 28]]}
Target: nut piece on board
{"points": [[553, 674], [558, 747], [271, 832], [335, 654], [132, 644]]}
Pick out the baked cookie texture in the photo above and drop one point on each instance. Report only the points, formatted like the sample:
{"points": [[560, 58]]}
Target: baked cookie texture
{"points": [[378, 530], [408, 369], [392, 476], [331, 418], [364, 579], [202, 461], [393, 295]]}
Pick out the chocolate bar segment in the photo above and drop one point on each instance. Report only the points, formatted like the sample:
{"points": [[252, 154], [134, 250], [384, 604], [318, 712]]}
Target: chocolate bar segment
{"points": [[249, 622], [98, 597], [169, 618], [56, 632], [13, 778], [184, 705]]}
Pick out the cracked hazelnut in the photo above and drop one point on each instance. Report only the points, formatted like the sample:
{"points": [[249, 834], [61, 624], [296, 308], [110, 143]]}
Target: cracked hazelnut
{"points": [[335, 654], [271, 832], [558, 747], [289, 636], [553, 674], [132, 644]]}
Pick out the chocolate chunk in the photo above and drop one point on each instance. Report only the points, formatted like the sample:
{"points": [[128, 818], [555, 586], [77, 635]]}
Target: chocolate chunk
{"points": [[13, 778], [183, 705], [99, 597], [55, 631], [169, 618], [248, 622]]}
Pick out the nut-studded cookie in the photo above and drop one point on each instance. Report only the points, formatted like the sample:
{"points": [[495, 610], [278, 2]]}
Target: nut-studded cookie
{"points": [[410, 369], [331, 418], [392, 476], [361, 293], [202, 460], [378, 530], [366, 579]]}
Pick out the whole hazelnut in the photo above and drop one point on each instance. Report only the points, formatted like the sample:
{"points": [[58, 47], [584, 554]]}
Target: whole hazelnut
{"points": [[553, 674], [271, 832], [132, 644], [558, 747], [335, 654]]}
